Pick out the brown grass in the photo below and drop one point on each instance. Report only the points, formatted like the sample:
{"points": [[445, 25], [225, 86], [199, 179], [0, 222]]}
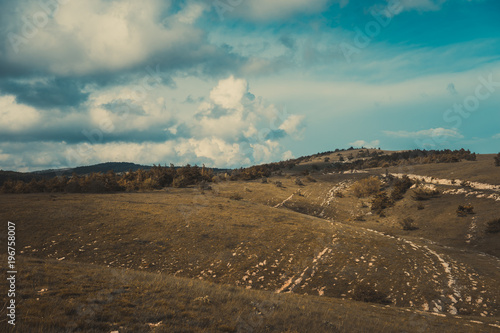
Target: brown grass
{"points": [[65, 297]]}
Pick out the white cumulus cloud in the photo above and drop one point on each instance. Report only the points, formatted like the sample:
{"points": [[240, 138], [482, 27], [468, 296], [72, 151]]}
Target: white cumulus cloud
{"points": [[229, 93], [14, 116], [85, 37], [429, 133], [366, 144]]}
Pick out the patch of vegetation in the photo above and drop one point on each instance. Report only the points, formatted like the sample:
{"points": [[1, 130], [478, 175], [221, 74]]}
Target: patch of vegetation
{"points": [[408, 224], [497, 159], [298, 182], [157, 177], [368, 294], [400, 186], [424, 193], [359, 218], [311, 179], [366, 187], [493, 227], [464, 210], [380, 202], [235, 196]]}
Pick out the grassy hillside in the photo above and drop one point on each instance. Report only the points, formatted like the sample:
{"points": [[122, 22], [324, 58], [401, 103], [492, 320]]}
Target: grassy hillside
{"points": [[58, 296], [307, 246]]}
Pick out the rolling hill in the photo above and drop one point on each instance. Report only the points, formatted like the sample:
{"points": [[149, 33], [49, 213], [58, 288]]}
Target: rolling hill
{"points": [[297, 251]]}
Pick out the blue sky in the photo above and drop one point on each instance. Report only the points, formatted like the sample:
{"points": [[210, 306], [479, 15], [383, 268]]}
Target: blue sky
{"points": [[232, 83]]}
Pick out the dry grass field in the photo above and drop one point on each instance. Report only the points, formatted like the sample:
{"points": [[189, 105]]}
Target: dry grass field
{"points": [[285, 255]]}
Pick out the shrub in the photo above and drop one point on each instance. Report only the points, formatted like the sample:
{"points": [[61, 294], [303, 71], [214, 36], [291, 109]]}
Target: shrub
{"points": [[463, 210], [310, 179], [339, 194], [264, 180], [235, 196], [424, 193], [400, 186], [359, 218], [298, 182], [407, 224], [366, 187], [497, 160], [203, 185], [278, 183], [493, 227], [420, 206], [380, 202], [366, 293]]}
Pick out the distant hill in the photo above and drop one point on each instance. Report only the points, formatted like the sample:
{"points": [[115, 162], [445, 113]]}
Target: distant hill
{"points": [[117, 167]]}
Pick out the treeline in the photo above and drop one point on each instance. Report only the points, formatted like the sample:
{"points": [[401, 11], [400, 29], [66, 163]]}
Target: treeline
{"points": [[406, 158], [157, 177]]}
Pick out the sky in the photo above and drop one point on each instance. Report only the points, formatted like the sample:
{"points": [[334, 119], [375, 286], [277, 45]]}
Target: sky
{"points": [[230, 83]]}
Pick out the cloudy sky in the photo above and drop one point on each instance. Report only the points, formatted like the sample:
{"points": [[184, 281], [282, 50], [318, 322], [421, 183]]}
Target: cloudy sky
{"points": [[231, 83]]}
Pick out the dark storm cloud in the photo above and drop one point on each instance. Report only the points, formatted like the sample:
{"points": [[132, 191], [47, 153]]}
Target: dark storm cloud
{"points": [[48, 93], [78, 133], [192, 55]]}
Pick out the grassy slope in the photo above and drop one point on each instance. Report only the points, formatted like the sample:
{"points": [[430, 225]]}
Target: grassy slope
{"points": [[56, 296], [250, 244], [482, 170], [438, 225]]}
